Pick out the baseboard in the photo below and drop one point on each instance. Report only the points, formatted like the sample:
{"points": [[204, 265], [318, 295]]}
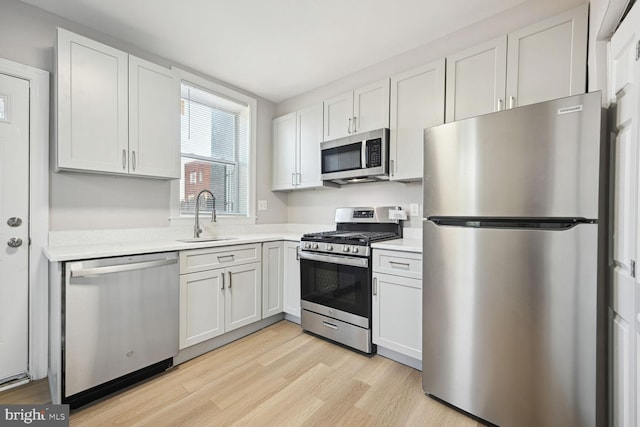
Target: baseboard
{"points": [[400, 358]]}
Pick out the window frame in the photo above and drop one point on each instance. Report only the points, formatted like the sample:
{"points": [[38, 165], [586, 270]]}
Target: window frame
{"points": [[180, 76]]}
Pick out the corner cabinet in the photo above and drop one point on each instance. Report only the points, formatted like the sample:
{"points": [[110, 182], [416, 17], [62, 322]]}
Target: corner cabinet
{"points": [[397, 302], [360, 110], [220, 290], [115, 113], [296, 149], [417, 102], [540, 62]]}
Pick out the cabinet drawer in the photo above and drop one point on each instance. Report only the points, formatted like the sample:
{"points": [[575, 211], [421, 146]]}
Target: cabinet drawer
{"points": [[206, 259], [405, 264]]}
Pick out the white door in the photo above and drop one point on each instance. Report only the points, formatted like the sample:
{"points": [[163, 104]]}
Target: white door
{"points": [[338, 116], [154, 139], [243, 295], [624, 300], [476, 80], [309, 139], [417, 102], [284, 153], [14, 226], [371, 107], [547, 60]]}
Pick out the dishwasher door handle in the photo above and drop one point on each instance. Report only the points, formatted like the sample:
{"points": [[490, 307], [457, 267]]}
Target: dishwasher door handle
{"points": [[78, 271]]}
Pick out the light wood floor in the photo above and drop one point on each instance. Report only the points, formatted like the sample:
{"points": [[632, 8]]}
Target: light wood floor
{"points": [[278, 376]]}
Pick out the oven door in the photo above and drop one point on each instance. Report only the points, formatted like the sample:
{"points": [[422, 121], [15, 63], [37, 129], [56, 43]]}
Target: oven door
{"points": [[338, 282]]}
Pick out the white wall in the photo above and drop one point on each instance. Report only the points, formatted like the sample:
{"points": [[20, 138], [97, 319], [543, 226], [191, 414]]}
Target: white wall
{"points": [[89, 201], [317, 206]]}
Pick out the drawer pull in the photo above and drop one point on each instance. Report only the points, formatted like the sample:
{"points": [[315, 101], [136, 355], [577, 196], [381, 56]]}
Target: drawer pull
{"points": [[330, 325], [224, 258], [403, 265]]}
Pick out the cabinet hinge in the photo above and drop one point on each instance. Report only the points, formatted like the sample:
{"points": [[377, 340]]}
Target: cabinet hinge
{"points": [[638, 50], [633, 268]]}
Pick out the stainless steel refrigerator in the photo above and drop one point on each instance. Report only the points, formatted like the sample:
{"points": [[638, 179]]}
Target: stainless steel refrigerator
{"points": [[514, 263]]}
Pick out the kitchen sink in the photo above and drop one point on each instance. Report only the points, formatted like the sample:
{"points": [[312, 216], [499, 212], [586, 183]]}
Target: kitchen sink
{"points": [[206, 239]]}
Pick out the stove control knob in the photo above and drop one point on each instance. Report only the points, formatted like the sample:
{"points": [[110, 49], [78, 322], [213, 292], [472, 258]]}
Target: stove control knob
{"points": [[354, 249], [307, 245], [314, 246], [345, 248], [329, 247]]}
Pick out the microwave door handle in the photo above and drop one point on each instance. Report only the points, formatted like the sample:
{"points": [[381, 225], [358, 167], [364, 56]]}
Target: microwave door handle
{"points": [[364, 154]]}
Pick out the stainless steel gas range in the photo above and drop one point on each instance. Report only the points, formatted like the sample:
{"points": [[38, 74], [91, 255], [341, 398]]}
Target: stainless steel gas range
{"points": [[335, 275]]}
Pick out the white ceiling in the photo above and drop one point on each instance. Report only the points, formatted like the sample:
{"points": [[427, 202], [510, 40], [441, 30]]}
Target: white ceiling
{"points": [[276, 48]]}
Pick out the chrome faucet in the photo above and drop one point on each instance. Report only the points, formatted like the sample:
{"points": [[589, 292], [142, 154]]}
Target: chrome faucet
{"points": [[196, 228]]}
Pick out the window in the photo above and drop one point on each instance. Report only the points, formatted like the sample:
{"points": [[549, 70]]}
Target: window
{"points": [[215, 145]]}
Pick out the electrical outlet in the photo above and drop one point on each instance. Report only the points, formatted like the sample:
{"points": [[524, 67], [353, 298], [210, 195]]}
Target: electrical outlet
{"points": [[414, 209], [262, 205]]}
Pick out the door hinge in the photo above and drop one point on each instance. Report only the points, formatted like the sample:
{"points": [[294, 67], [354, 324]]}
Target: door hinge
{"points": [[633, 268]]}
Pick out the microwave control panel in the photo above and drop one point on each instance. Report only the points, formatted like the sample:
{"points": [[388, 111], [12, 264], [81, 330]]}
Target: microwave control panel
{"points": [[374, 152]]}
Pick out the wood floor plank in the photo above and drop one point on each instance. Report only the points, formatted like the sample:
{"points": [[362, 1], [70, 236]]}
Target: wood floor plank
{"points": [[279, 376]]}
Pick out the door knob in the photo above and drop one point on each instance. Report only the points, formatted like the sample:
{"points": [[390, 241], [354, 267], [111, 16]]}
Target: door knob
{"points": [[14, 242], [14, 222]]}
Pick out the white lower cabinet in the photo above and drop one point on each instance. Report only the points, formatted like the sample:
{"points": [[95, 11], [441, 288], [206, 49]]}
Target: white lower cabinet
{"points": [[291, 279], [397, 302], [272, 278], [218, 300]]}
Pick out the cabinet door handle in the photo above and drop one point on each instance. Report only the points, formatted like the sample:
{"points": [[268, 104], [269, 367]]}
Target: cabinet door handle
{"points": [[222, 282], [133, 160], [512, 101], [297, 253], [375, 286], [293, 179], [392, 167], [124, 159], [404, 265], [500, 102], [299, 178], [349, 126], [355, 124], [229, 280]]}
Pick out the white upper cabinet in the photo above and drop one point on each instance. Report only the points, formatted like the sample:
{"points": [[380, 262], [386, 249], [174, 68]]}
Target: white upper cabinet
{"points": [[309, 134], [116, 113], [284, 152], [92, 105], [476, 80], [356, 111], [543, 61], [154, 139], [417, 102], [548, 60], [296, 149]]}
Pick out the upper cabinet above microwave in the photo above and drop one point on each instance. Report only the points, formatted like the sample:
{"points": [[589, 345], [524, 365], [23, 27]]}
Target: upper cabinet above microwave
{"points": [[357, 111], [543, 61], [116, 113]]}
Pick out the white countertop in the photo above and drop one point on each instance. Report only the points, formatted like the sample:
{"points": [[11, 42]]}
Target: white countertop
{"points": [[89, 250], [405, 245], [86, 244]]}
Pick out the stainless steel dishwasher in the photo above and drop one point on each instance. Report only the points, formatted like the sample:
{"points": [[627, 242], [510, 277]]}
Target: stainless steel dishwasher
{"points": [[120, 322]]}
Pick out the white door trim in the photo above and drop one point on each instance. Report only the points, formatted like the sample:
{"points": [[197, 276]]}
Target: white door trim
{"points": [[38, 211]]}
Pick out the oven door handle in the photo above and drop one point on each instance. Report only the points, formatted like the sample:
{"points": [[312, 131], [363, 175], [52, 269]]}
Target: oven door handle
{"points": [[333, 259]]}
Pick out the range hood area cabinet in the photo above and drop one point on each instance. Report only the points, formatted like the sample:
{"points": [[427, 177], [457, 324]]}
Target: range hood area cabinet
{"points": [[116, 113], [357, 111], [543, 61], [296, 149]]}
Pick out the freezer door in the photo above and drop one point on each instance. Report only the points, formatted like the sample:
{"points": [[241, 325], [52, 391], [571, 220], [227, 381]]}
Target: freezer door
{"points": [[510, 316], [537, 161]]}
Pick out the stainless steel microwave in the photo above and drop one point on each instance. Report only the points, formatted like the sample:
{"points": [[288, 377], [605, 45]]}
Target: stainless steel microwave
{"points": [[361, 157]]}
